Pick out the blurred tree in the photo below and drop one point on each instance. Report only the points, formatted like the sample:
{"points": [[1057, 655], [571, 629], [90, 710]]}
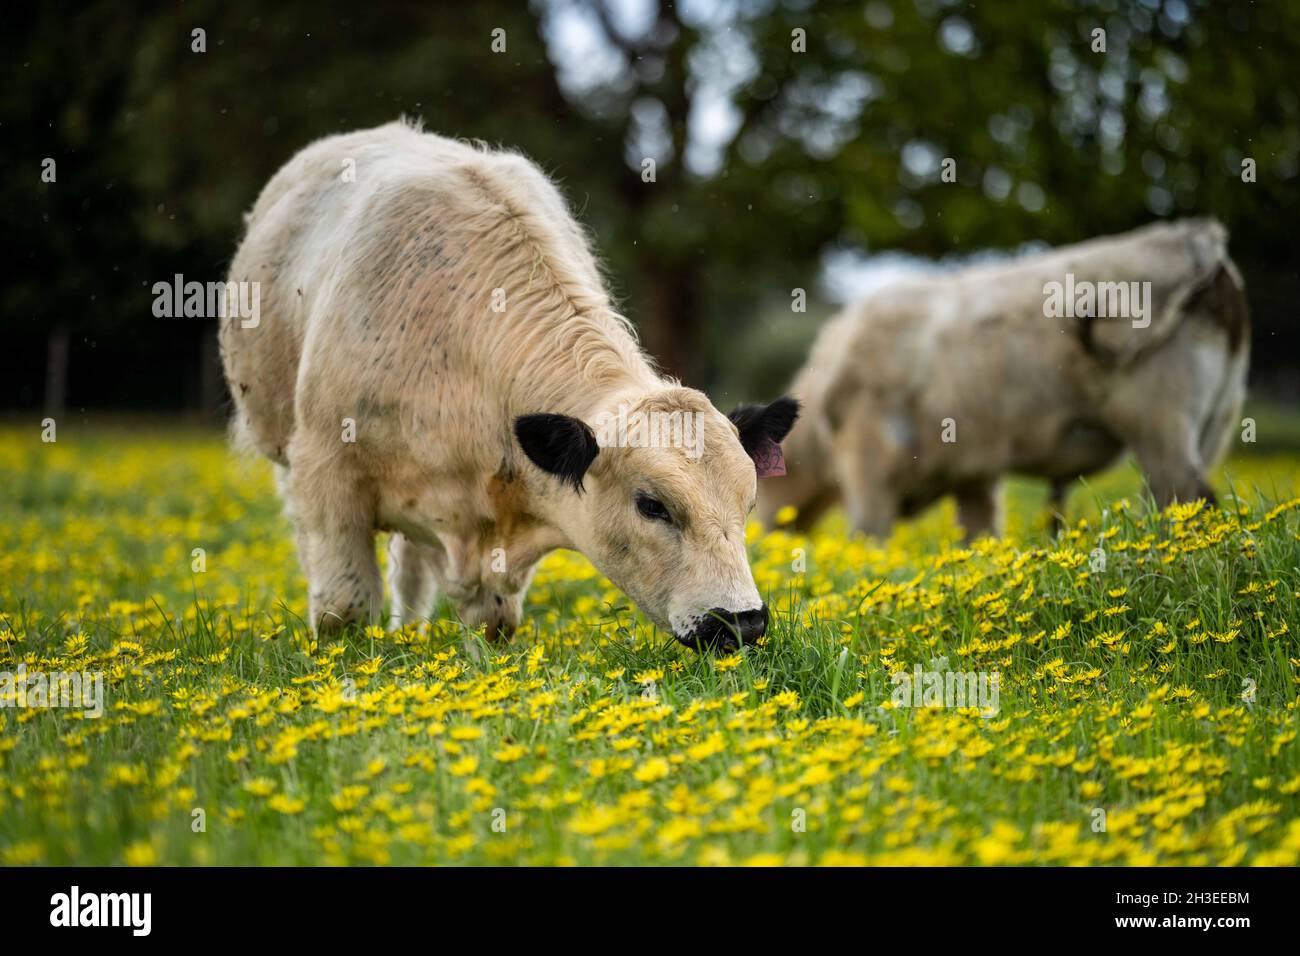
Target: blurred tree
{"points": [[67, 197], [780, 131], [1063, 120], [208, 130]]}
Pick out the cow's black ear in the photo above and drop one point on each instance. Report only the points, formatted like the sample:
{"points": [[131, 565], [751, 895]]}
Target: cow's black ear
{"points": [[559, 445], [759, 424]]}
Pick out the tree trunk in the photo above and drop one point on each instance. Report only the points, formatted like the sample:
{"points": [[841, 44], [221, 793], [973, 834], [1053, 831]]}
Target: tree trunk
{"points": [[673, 322], [56, 372]]}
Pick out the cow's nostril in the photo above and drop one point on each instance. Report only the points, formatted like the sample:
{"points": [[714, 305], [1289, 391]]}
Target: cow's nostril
{"points": [[752, 624]]}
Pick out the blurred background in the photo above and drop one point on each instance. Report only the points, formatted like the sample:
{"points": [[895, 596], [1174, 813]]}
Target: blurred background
{"points": [[798, 145]]}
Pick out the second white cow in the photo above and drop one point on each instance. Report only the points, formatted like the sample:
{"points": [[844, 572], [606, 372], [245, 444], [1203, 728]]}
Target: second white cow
{"points": [[1048, 365]]}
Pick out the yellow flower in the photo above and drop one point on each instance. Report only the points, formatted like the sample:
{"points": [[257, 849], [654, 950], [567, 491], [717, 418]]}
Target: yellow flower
{"points": [[464, 767], [283, 803], [140, 854], [656, 768], [260, 786], [509, 753]]}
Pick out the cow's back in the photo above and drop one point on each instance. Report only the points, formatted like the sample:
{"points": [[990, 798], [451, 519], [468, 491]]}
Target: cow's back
{"points": [[304, 210], [415, 284], [966, 375]]}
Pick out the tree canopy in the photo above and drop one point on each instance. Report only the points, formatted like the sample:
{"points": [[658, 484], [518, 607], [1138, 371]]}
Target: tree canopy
{"points": [[779, 133]]}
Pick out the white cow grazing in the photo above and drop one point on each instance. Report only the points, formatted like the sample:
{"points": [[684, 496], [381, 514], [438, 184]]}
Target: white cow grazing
{"points": [[434, 348], [943, 383]]}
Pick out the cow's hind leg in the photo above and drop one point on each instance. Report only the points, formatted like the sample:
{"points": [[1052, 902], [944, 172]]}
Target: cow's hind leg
{"points": [[411, 580], [1058, 492], [977, 509]]}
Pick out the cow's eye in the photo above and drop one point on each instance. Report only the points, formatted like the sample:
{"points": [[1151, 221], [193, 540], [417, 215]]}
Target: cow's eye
{"points": [[652, 509]]}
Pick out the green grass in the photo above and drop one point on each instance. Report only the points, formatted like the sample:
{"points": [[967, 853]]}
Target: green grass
{"points": [[591, 738]]}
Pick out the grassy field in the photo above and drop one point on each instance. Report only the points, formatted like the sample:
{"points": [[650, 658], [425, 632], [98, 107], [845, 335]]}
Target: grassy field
{"points": [[1145, 713]]}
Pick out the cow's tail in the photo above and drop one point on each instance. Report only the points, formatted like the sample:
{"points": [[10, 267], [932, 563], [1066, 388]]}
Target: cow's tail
{"points": [[1223, 303]]}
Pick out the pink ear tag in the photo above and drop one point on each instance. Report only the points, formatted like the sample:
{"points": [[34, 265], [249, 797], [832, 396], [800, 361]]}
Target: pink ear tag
{"points": [[769, 461]]}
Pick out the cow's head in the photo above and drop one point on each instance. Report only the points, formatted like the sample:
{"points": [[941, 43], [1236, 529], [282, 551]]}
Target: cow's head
{"points": [[656, 494]]}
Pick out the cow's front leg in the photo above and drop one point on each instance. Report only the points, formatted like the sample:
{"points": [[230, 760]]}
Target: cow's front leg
{"points": [[1171, 459], [863, 454], [411, 580], [344, 578], [336, 541]]}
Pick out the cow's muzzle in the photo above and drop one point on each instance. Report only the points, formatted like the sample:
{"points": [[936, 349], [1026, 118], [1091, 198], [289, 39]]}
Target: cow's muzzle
{"points": [[723, 630]]}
